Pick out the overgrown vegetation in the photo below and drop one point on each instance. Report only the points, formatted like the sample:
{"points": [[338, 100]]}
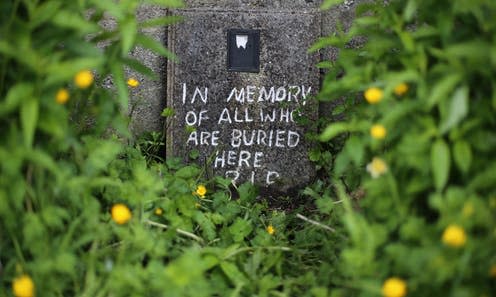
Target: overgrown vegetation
{"points": [[424, 141], [405, 208]]}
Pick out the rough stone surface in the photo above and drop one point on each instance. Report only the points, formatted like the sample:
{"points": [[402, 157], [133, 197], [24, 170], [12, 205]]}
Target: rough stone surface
{"points": [[278, 156], [293, 5], [287, 28], [148, 100]]}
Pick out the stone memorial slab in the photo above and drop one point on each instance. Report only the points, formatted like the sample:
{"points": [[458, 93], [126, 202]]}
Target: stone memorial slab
{"points": [[242, 91]]}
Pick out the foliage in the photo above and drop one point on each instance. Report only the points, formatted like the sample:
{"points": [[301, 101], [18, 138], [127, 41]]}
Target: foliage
{"points": [[427, 74], [83, 213]]}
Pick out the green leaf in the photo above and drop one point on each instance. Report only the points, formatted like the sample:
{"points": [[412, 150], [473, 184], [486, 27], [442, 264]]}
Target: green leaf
{"points": [[458, 109], [42, 159], [206, 225], [70, 20], [240, 229], [65, 71], [167, 3], [442, 89], [410, 9], [330, 3], [167, 112], [187, 172], [233, 273], [325, 205], [139, 67], [15, 96], [117, 11], [462, 153], [325, 42], [119, 81], [440, 163], [407, 40], [155, 46], [355, 150], [29, 119], [161, 21], [44, 12], [101, 153], [334, 130], [325, 64], [485, 179], [128, 29], [474, 51]]}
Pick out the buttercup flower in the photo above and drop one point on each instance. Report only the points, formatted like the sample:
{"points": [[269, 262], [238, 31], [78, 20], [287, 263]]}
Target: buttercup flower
{"points": [[401, 89], [23, 286], [121, 213], [159, 211], [377, 167], [454, 236], [132, 82], [201, 190], [83, 79], [373, 95], [394, 287], [62, 96], [378, 131], [270, 229]]}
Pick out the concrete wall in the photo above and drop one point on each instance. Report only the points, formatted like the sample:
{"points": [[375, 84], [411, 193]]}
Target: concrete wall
{"points": [[149, 99]]}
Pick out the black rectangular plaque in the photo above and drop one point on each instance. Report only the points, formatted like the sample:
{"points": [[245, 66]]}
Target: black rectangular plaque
{"points": [[243, 50]]}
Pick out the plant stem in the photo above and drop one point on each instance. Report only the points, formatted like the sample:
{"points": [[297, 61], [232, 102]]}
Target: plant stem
{"points": [[318, 224], [180, 231]]}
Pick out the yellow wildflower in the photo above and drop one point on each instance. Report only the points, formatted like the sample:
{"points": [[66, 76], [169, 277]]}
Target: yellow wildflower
{"points": [[62, 96], [454, 236], [83, 79], [23, 286], [159, 211], [121, 213], [377, 167], [132, 82], [201, 190], [394, 287], [378, 131], [401, 89], [373, 95], [492, 271], [270, 229]]}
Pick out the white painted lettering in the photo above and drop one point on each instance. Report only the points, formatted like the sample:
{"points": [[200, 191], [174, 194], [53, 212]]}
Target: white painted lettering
{"points": [[190, 118], [257, 161], [232, 174], [244, 157], [250, 90], [272, 176], [238, 96], [236, 137], [293, 138], [281, 94], [231, 158], [224, 116], [266, 96], [192, 138], [220, 158], [280, 138]]}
